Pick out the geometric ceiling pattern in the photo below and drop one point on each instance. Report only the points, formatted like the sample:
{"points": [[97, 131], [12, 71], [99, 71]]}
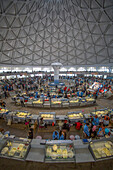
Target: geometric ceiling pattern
{"points": [[40, 32]]}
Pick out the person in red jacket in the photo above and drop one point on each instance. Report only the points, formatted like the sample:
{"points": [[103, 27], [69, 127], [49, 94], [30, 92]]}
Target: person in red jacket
{"points": [[65, 88], [68, 89], [78, 125]]}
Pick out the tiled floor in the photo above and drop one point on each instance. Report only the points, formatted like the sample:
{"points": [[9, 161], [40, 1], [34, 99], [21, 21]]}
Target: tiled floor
{"points": [[19, 130]]}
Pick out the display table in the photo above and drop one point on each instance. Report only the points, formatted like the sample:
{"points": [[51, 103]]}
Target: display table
{"points": [[37, 150], [61, 117], [82, 152], [36, 158]]}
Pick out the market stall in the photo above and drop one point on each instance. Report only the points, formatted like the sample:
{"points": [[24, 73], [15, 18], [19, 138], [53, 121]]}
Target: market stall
{"points": [[38, 103], [75, 116], [48, 117], [83, 101], [74, 102], [20, 116], [3, 111], [59, 151], [59, 154], [102, 149], [56, 103], [16, 148], [55, 100], [101, 112], [90, 100]]}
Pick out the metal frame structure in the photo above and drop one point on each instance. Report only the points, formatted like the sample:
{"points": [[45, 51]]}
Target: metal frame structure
{"points": [[40, 32]]}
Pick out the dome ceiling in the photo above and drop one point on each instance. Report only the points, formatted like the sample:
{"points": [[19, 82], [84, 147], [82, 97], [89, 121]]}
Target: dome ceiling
{"points": [[40, 32]]}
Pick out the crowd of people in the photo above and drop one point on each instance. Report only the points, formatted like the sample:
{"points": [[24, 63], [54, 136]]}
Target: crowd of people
{"points": [[79, 87], [76, 87], [97, 127]]}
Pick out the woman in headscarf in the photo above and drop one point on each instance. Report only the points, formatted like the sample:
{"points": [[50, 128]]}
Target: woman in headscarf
{"points": [[93, 131]]}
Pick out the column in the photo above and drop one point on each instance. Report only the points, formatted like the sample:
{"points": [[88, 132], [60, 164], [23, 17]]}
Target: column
{"points": [[56, 74], [56, 67]]}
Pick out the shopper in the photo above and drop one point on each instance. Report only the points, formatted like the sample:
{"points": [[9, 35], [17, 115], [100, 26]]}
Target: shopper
{"points": [[78, 125], [2, 104], [5, 93], [63, 135], [106, 120], [95, 121], [55, 135], [100, 132], [22, 101], [93, 131], [86, 130], [66, 126], [30, 134], [42, 123]]}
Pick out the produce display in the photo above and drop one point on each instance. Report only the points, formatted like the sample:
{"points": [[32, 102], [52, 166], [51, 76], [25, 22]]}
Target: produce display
{"points": [[46, 116], [75, 115], [74, 101], [59, 152], [15, 149], [23, 115], [89, 99], [56, 102], [102, 149], [100, 112], [3, 110], [38, 102], [82, 100]]}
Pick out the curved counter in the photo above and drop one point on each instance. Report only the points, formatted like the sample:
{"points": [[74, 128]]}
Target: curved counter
{"points": [[57, 103], [36, 158]]}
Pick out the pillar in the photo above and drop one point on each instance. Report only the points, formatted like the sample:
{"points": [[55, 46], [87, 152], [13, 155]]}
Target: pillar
{"points": [[56, 74], [56, 67]]}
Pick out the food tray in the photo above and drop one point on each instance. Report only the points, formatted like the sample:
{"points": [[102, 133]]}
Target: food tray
{"points": [[15, 149], [103, 112], [48, 116], [101, 149], [73, 116], [60, 152]]}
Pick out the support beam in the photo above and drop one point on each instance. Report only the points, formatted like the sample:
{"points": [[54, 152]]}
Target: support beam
{"points": [[56, 67]]}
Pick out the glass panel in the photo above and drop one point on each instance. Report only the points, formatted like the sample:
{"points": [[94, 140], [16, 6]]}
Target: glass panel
{"points": [[81, 69], [63, 69], [103, 69], [91, 69]]}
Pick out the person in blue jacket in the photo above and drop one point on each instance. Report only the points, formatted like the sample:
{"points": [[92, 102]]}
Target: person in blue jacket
{"points": [[86, 130], [100, 131], [82, 94], [36, 95], [78, 93], [95, 121], [55, 135], [62, 137]]}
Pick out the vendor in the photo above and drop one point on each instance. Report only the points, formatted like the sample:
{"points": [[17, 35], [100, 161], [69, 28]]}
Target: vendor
{"points": [[100, 132], [66, 125], [30, 134], [95, 121], [2, 104], [22, 101], [106, 120], [42, 123], [107, 131], [93, 131], [86, 130], [78, 125], [62, 136], [55, 135]]}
